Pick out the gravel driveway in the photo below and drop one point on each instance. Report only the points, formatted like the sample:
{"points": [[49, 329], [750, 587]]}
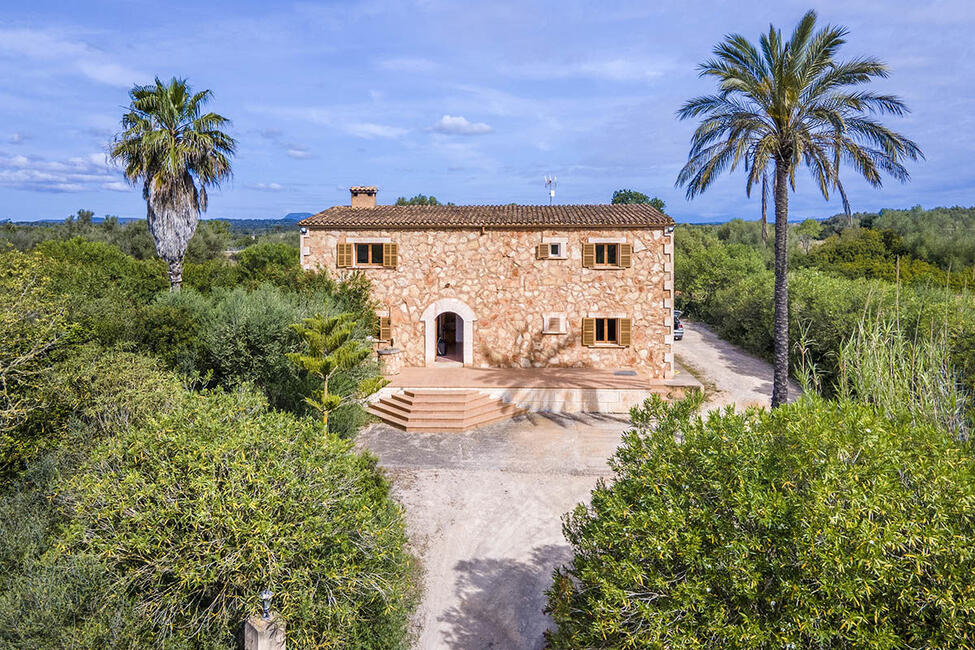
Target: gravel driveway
{"points": [[484, 508]]}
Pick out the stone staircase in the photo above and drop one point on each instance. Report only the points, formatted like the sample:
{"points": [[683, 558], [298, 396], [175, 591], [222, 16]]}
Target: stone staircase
{"points": [[441, 410]]}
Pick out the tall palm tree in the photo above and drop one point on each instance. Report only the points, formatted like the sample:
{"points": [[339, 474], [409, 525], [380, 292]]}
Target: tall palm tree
{"points": [[781, 104], [176, 152]]}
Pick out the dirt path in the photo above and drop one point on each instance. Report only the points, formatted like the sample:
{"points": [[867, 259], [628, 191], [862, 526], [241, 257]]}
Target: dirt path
{"points": [[484, 508], [732, 375]]}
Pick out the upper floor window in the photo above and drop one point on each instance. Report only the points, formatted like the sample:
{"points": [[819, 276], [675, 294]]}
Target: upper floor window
{"points": [[368, 254], [607, 255], [552, 248]]}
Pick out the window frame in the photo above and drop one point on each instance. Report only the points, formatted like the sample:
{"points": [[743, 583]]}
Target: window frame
{"points": [[606, 247], [561, 242], [371, 249], [605, 321]]}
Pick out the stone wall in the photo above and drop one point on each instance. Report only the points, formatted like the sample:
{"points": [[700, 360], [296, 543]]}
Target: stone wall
{"points": [[496, 275]]}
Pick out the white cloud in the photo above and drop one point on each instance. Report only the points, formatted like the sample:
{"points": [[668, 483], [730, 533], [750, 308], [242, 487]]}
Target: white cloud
{"points": [[67, 54], [268, 187], [110, 73], [76, 174], [17, 138], [117, 186], [371, 130], [300, 153], [459, 125], [619, 69], [412, 65]]}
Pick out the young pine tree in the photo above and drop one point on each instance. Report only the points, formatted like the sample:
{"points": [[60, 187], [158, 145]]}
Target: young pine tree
{"points": [[330, 348]]}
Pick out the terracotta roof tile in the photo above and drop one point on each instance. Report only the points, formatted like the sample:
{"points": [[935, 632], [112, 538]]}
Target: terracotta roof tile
{"points": [[497, 216]]}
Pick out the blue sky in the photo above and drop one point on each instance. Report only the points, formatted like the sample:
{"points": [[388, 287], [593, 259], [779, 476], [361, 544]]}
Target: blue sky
{"points": [[473, 102]]}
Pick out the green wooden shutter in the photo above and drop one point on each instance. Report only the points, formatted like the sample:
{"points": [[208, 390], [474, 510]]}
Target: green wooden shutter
{"points": [[588, 256], [589, 331], [390, 255], [626, 256], [624, 331]]}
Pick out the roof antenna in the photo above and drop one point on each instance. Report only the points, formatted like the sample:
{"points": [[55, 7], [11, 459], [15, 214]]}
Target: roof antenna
{"points": [[551, 182]]}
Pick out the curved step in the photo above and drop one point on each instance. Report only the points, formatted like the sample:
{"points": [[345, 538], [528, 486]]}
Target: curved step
{"points": [[441, 410]]}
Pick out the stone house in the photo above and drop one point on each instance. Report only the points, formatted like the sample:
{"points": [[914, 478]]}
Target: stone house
{"points": [[507, 286]]}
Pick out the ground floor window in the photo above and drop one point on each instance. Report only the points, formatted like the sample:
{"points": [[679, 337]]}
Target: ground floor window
{"points": [[606, 329]]}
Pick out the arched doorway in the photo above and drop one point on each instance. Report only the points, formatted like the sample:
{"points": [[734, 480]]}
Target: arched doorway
{"points": [[448, 327], [450, 338]]}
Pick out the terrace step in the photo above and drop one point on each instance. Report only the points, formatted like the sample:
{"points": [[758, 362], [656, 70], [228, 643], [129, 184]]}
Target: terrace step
{"points": [[441, 410]]}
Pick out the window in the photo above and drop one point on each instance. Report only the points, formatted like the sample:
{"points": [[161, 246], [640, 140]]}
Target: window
{"points": [[368, 254], [607, 254], [553, 324], [552, 248], [602, 331]]}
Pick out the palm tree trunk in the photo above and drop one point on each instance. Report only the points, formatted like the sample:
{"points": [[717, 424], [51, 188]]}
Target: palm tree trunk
{"points": [[780, 324], [176, 275]]}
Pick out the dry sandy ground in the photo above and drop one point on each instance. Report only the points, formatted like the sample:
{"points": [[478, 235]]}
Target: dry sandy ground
{"points": [[484, 508]]}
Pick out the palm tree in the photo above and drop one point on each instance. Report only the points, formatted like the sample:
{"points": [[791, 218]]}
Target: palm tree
{"points": [[785, 103], [176, 152]]}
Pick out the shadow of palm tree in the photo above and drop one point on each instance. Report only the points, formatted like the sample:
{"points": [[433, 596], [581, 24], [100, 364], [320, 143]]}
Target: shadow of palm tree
{"points": [[502, 600]]}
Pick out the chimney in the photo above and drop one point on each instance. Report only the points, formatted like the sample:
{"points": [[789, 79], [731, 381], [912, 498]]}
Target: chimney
{"points": [[363, 197]]}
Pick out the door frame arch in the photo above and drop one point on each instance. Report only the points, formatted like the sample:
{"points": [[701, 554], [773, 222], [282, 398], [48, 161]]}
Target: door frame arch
{"points": [[429, 319]]}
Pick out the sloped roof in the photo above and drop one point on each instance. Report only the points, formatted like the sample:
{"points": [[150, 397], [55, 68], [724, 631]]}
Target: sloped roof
{"points": [[489, 216]]}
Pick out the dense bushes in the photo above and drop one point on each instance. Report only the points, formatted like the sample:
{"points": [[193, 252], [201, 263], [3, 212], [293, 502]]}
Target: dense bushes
{"points": [[943, 236], [141, 510], [236, 331], [727, 286], [235, 337], [163, 513], [196, 511], [883, 255], [817, 525], [32, 327], [87, 397]]}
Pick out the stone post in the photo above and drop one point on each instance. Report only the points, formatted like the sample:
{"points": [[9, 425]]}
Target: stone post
{"points": [[264, 634]]}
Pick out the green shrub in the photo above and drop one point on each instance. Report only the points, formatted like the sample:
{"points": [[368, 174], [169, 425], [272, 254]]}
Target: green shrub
{"points": [[196, 512], [33, 329], [727, 286], [105, 391], [237, 337], [90, 395], [273, 262], [816, 525]]}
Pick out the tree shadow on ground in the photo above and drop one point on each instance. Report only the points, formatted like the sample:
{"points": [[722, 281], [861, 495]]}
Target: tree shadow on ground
{"points": [[502, 601]]}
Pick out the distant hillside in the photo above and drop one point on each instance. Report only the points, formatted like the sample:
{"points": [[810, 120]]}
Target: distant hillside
{"points": [[237, 226]]}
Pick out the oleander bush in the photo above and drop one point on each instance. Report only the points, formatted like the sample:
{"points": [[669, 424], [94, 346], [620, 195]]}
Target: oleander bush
{"points": [[816, 525], [195, 512]]}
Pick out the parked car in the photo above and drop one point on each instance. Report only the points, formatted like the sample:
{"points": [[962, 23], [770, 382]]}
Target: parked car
{"points": [[678, 326]]}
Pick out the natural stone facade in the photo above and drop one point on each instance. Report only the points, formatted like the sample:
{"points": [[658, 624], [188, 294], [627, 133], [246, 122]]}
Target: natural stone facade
{"points": [[493, 281]]}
